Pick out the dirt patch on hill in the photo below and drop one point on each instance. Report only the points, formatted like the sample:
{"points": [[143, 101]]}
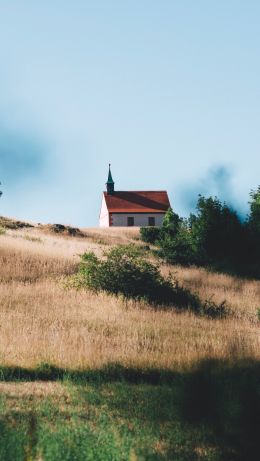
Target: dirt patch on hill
{"points": [[63, 230], [8, 223]]}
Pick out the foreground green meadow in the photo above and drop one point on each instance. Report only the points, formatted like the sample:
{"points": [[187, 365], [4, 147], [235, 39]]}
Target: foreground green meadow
{"points": [[211, 412]]}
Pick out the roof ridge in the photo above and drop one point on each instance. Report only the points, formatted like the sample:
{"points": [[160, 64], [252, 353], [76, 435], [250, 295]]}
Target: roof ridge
{"points": [[146, 201]]}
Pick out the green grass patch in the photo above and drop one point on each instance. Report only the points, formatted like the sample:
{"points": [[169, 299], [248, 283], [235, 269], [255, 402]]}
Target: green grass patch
{"points": [[99, 422], [208, 413]]}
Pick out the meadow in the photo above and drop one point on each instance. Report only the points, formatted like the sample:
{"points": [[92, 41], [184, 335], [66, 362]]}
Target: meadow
{"points": [[91, 376]]}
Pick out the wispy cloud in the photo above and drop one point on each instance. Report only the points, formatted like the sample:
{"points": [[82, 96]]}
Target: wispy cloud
{"points": [[216, 182], [22, 156]]}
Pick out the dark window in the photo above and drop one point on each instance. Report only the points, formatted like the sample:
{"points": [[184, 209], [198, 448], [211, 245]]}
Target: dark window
{"points": [[130, 221], [151, 221]]}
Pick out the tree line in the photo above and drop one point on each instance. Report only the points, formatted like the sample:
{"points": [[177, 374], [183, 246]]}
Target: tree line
{"points": [[214, 236]]}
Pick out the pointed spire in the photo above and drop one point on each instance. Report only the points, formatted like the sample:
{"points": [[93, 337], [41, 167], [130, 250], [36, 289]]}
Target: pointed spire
{"points": [[110, 179], [110, 183]]}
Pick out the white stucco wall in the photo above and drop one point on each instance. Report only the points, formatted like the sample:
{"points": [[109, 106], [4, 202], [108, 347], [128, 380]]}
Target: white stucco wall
{"points": [[104, 215], [140, 219]]}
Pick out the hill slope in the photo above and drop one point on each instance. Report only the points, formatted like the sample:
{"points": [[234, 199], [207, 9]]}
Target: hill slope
{"points": [[42, 321]]}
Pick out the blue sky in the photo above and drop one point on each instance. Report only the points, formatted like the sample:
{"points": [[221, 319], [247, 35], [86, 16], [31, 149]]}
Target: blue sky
{"points": [[167, 91]]}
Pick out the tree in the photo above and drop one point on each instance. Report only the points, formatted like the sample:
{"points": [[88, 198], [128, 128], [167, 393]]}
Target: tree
{"points": [[171, 223], [253, 226], [214, 236], [176, 245], [178, 249], [254, 216], [216, 231]]}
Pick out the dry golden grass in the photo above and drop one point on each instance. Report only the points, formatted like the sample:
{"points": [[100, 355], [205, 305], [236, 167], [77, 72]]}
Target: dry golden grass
{"points": [[41, 321], [242, 296]]}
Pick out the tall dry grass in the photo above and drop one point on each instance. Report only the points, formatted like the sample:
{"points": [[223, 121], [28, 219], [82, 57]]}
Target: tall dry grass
{"points": [[41, 321]]}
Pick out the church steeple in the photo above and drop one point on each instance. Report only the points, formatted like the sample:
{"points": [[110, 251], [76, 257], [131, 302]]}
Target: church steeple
{"points": [[110, 183]]}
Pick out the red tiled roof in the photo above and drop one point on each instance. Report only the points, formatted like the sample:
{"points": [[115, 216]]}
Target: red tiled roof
{"points": [[137, 201]]}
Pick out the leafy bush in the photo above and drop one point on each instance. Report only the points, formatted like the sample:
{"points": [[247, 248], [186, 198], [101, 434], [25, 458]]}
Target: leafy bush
{"points": [[178, 249], [125, 271], [150, 234], [170, 227]]}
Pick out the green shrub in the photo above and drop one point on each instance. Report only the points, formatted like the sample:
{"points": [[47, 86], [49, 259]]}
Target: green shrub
{"points": [[125, 271], [2, 230], [178, 249], [150, 234]]}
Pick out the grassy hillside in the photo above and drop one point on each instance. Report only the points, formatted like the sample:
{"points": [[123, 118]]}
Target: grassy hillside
{"points": [[88, 376]]}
